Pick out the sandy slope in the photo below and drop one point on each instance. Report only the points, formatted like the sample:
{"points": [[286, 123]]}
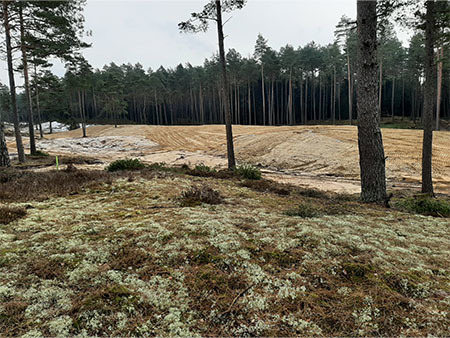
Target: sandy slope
{"points": [[312, 150]]}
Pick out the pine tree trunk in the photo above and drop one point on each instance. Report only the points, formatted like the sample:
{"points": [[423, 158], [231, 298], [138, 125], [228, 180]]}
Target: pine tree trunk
{"points": [[350, 89], [38, 108], [371, 152], [305, 118], [228, 127], [439, 87], [333, 108], [263, 95], [12, 84], [393, 99], [80, 106], [291, 100], [4, 155], [27, 83], [313, 96], [339, 101], [249, 101], [380, 90], [403, 98], [429, 98]]}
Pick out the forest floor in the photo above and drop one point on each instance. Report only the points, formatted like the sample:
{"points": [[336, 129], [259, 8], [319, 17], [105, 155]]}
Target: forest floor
{"points": [[93, 253], [324, 157]]}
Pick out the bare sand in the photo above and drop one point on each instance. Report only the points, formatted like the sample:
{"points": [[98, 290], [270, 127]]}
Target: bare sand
{"points": [[322, 156]]}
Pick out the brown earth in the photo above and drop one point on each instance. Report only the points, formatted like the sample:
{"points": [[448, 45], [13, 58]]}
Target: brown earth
{"points": [[323, 156]]}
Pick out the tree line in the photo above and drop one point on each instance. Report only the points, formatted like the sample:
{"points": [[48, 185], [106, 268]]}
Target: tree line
{"points": [[285, 87]]}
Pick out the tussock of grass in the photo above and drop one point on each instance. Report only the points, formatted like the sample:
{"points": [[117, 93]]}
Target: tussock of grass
{"points": [[11, 214], [248, 172], [203, 168], [126, 164], [200, 194]]}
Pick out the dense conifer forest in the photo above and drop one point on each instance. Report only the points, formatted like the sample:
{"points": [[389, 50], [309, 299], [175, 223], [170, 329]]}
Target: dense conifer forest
{"points": [[293, 85]]}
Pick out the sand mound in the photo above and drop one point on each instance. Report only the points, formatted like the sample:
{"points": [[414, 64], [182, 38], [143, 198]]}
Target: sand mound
{"points": [[98, 146]]}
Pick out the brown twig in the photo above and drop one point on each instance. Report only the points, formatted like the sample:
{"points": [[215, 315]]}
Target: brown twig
{"points": [[235, 300]]}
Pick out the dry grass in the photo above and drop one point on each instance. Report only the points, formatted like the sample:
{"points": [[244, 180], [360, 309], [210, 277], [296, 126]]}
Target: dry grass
{"points": [[20, 185]]}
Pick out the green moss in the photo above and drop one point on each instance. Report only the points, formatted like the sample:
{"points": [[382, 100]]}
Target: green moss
{"points": [[357, 272]]}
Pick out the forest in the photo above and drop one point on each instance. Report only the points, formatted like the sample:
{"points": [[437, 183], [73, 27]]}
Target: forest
{"points": [[294, 85], [227, 199]]}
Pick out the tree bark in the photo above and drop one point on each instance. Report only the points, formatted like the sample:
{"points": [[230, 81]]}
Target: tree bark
{"points": [[38, 108], [4, 155], [228, 128], [370, 143], [27, 82], [80, 106], [380, 90], [439, 87], [263, 92], [350, 89], [393, 100], [429, 98]]}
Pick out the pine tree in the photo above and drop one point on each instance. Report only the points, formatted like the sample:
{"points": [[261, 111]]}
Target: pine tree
{"points": [[199, 22], [6, 5], [371, 152]]}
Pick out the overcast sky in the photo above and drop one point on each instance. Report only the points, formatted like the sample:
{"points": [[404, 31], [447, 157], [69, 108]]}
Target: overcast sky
{"points": [[146, 31]]}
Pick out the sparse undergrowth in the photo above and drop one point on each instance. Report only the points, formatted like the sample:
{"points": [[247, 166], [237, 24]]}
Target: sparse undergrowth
{"points": [[304, 210], [126, 164], [11, 214], [248, 172], [425, 205], [197, 195], [121, 256]]}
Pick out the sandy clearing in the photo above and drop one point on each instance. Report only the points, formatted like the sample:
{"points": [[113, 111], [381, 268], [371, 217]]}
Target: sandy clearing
{"points": [[318, 151]]}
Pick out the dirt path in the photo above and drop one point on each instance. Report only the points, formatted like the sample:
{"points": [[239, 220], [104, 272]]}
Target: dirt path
{"points": [[328, 155]]}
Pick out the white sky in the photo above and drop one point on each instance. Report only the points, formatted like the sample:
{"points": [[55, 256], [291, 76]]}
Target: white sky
{"points": [[146, 31]]}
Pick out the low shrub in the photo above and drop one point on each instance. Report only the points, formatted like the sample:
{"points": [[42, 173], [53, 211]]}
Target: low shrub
{"points": [[126, 164], [8, 215], [202, 168], [248, 171], [40, 153], [426, 205], [198, 195], [304, 210]]}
